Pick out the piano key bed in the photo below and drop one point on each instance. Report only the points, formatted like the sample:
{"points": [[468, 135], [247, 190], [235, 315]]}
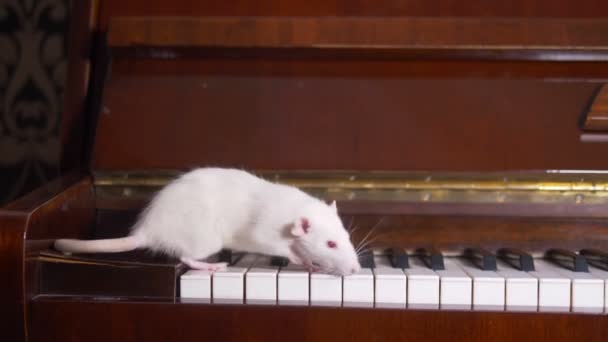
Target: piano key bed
{"points": [[514, 281]]}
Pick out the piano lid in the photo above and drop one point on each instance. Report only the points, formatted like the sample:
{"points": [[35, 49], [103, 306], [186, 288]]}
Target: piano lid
{"points": [[300, 94]]}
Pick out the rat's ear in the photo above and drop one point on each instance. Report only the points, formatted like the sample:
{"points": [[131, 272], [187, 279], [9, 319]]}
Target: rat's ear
{"points": [[300, 227], [333, 206]]}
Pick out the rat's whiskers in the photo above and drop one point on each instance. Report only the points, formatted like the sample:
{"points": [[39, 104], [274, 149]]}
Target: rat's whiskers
{"points": [[367, 236]]}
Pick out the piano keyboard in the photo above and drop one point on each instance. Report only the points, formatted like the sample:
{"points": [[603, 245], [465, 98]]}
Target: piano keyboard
{"points": [[390, 281]]}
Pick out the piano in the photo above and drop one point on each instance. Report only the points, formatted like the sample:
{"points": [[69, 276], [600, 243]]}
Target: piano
{"points": [[465, 145]]}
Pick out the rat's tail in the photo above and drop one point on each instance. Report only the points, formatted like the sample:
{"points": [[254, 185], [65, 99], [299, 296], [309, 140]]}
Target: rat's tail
{"points": [[123, 244]]}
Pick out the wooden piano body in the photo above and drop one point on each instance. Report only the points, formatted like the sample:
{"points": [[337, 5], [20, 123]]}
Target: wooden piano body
{"points": [[455, 125]]}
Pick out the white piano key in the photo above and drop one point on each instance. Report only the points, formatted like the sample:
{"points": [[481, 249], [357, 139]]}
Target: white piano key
{"points": [[358, 289], [601, 274], [229, 284], [293, 285], [390, 284], [521, 293], [325, 289], [261, 282], [196, 284], [455, 287], [422, 286], [553, 288], [587, 291], [488, 286]]}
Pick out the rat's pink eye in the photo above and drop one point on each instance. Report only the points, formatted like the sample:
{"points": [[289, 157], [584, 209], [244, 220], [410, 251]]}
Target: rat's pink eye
{"points": [[331, 244]]}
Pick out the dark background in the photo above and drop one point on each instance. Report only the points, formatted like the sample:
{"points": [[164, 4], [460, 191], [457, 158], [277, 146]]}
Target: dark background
{"points": [[33, 63]]}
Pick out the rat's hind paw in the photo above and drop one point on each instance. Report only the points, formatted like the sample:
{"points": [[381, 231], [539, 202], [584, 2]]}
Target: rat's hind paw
{"points": [[204, 266]]}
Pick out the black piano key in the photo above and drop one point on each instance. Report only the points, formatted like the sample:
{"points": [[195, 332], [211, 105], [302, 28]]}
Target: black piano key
{"points": [[517, 258], [432, 258], [568, 259], [366, 259], [596, 258], [225, 255], [279, 261], [481, 258], [398, 257]]}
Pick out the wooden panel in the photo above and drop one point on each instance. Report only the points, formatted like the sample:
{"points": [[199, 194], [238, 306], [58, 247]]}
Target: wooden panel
{"points": [[107, 321], [315, 122], [334, 67], [447, 8], [12, 301], [67, 207], [134, 274], [83, 21], [32, 214], [450, 233], [453, 234], [496, 38], [597, 117]]}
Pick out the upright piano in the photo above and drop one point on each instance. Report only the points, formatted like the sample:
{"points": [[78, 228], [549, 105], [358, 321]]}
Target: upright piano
{"points": [[466, 144]]}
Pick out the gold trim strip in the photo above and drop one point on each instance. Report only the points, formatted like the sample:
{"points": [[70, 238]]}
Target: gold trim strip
{"points": [[340, 180]]}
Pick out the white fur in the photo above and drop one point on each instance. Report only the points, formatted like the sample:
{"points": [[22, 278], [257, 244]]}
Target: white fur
{"points": [[208, 209]]}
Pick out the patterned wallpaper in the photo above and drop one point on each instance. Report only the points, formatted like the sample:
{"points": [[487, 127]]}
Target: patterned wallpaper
{"points": [[33, 63]]}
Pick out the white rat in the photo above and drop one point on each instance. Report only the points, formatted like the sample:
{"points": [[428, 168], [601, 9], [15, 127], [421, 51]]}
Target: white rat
{"points": [[208, 209]]}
